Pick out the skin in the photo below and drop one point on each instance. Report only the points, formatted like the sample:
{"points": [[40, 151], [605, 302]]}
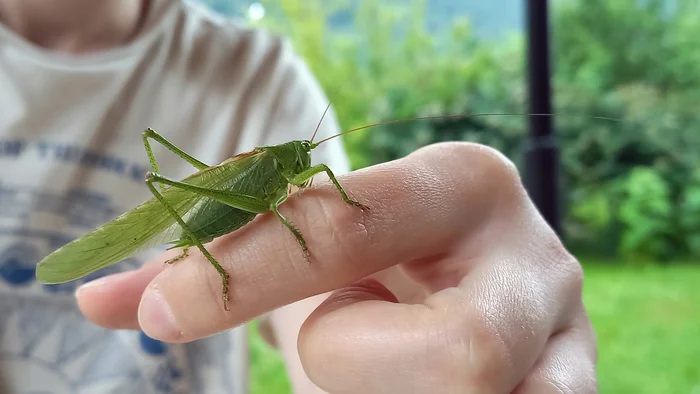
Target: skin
{"points": [[451, 283], [74, 26]]}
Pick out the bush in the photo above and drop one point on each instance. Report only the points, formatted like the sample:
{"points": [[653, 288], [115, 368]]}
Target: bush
{"points": [[631, 187], [689, 214], [645, 213]]}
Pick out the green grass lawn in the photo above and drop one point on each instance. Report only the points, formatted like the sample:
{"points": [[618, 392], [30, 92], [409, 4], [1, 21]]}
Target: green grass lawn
{"points": [[267, 374], [647, 320], [648, 326]]}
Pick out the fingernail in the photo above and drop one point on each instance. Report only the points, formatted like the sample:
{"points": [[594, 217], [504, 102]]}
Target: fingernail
{"points": [[156, 318]]}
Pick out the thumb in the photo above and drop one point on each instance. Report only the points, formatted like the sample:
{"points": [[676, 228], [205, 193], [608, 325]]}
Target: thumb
{"points": [[361, 339], [367, 289]]}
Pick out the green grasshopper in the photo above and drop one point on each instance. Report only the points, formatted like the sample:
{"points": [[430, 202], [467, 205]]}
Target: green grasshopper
{"points": [[214, 201]]}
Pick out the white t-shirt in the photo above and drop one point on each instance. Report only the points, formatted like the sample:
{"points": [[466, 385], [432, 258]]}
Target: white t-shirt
{"points": [[72, 158]]}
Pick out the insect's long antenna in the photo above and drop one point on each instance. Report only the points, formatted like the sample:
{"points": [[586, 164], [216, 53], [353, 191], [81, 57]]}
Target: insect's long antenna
{"points": [[319, 122], [453, 116]]}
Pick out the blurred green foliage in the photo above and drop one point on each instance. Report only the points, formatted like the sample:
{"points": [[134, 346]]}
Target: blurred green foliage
{"points": [[647, 326], [267, 370], [645, 215], [631, 187]]}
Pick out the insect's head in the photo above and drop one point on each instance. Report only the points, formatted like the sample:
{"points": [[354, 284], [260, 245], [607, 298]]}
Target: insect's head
{"points": [[307, 145], [300, 157]]}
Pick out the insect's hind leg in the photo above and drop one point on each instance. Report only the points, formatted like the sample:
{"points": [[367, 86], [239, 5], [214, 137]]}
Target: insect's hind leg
{"points": [[222, 272], [150, 133]]}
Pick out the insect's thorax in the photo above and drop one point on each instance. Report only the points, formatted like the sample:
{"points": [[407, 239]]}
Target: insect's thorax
{"points": [[213, 218], [264, 176], [293, 157]]}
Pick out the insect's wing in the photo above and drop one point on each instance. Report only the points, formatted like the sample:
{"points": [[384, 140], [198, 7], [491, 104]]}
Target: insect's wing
{"points": [[146, 226]]}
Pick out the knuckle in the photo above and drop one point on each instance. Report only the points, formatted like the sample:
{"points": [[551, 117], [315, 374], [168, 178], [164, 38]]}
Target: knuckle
{"points": [[572, 271], [589, 385], [575, 276], [489, 356], [561, 375], [582, 381], [480, 173], [543, 385], [472, 353], [561, 266], [487, 161]]}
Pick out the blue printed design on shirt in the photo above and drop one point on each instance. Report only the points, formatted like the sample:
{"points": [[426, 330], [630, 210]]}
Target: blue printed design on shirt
{"points": [[17, 263], [49, 335], [152, 346], [48, 345]]}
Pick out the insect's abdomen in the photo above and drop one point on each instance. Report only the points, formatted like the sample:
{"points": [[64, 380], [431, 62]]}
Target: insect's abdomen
{"points": [[218, 219], [212, 219]]}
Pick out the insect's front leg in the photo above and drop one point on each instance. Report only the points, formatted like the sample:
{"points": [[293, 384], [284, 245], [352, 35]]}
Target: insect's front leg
{"points": [[304, 176]]}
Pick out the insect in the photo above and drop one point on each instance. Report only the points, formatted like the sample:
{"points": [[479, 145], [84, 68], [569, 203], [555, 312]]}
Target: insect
{"points": [[214, 201]]}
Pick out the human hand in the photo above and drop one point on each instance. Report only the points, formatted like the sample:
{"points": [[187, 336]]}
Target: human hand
{"points": [[466, 289]]}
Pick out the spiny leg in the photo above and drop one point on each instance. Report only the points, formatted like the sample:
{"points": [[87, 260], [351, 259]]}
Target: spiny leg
{"points": [[150, 133], [222, 272], [300, 238], [305, 185], [236, 200], [240, 201], [185, 253], [303, 176]]}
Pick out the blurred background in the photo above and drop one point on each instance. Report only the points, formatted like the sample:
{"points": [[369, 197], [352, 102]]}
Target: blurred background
{"points": [[630, 190]]}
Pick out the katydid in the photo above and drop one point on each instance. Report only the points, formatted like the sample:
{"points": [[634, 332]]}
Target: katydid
{"points": [[214, 201]]}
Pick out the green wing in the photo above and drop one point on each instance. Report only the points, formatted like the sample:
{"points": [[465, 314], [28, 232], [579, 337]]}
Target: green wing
{"points": [[144, 227]]}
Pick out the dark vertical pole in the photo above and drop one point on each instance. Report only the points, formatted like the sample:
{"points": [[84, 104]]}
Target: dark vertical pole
{"points": [[541, 155]]}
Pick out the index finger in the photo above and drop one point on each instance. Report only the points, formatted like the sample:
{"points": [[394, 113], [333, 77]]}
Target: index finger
{"points": [[420, 206]]}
